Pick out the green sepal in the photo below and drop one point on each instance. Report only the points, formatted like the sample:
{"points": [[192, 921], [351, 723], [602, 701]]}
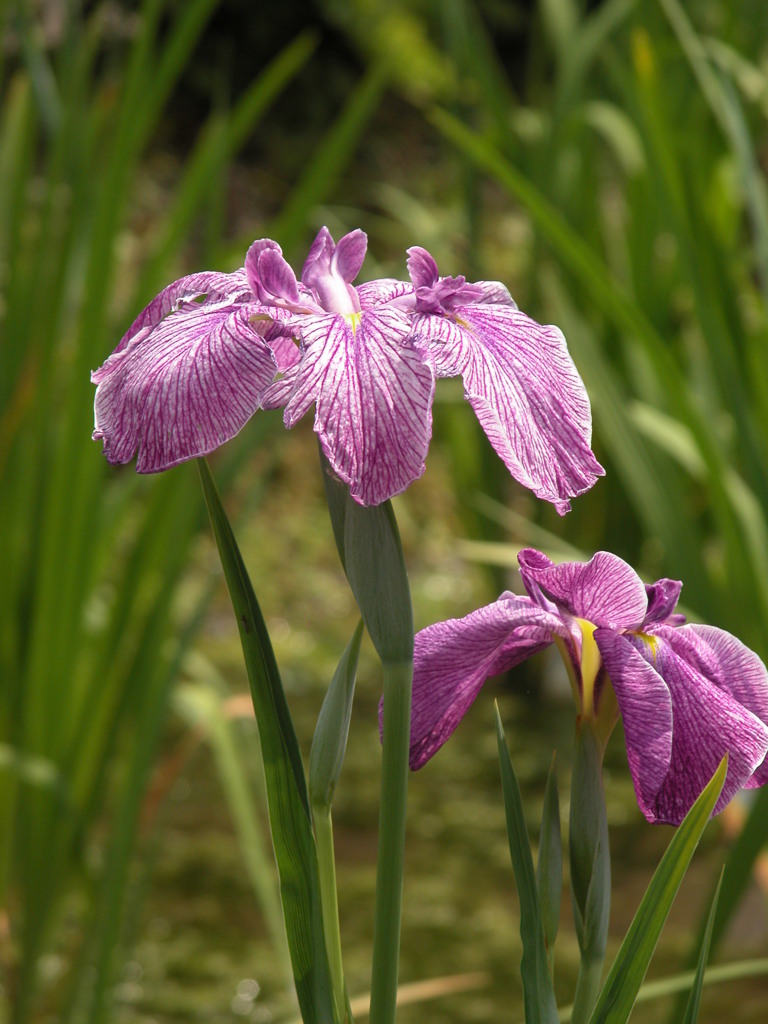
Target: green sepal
{"points": [[287, 797], [618, 995], [549, 867], [370, 550], [538, 993], [330, 740], [694, 999]]}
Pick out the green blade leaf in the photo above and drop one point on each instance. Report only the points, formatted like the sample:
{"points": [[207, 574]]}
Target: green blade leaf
{"points": [[330, 740], [617, 998], [692, 1009], [287, 797], [549, 868], [539, 996]]}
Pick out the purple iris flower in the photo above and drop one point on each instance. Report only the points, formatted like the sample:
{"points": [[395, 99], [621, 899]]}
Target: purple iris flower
{"points": [[213, 348], [687, 694]]}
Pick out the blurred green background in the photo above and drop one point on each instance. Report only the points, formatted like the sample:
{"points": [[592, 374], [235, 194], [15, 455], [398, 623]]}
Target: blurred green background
{"points": [[608, 162]]}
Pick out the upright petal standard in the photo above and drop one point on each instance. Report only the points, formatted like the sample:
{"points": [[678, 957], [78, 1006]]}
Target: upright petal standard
{"points": [[213, 348], [687, 694]]}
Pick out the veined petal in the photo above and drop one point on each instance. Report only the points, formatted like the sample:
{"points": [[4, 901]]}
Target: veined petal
{"points": [[645, 703], [605, 590], [526, 393], [494, 292], [707, 723], [453, 659], [183, 388], [373, 393], [211, 286], [385, 291], [729, 665]]}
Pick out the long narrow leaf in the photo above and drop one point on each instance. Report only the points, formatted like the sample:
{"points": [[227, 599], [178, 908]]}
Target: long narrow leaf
{"points": [[736, 877], [330, 739], [286, 786], [549, 868], [539, 996], [692, 1009], [617, 998]]}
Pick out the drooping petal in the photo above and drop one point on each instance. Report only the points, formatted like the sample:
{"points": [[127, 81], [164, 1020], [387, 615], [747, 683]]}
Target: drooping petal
{"points": [[707, 723], [729, 665], [645, 704], [663, 596], [213, 287], [605, 590], [374, 399], [453, 659], [526, 393], [182, 388]]}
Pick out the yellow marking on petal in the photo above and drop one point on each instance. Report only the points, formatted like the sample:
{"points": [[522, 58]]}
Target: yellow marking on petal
{"points": [[260, 318], [462, 323], [590, 666], [649, 640], [353, 319]]}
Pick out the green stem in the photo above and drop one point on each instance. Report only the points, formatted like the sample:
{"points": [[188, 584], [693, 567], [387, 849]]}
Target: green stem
{"points": [[321, 816], [587, 989], [398, 679], [590, 866]]}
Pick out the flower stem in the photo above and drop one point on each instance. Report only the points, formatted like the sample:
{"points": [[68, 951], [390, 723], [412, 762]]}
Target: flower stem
{"points": [[398, 679], [587, 990], [321, 817], [590, 866]]}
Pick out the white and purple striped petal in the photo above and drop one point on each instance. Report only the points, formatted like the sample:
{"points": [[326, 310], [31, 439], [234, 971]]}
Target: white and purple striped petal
{"points": [[707, 721], [526, 393], [206, 288], [181, 388], [373, 394], [730, 666], [453, 659]]}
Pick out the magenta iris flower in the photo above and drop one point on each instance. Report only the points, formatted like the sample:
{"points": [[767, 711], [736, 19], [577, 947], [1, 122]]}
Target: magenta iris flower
{"points": [[687, 694], [213, 348]]}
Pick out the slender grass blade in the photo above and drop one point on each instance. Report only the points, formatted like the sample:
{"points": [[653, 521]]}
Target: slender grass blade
{"points": [[619, 993], [539, 996], [286, 786]]}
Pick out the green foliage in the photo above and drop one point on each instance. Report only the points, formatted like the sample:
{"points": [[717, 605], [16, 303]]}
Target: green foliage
{"points": [[605, 165], [287, 796], [619, 993], [540, 1006], [92, 630]]}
